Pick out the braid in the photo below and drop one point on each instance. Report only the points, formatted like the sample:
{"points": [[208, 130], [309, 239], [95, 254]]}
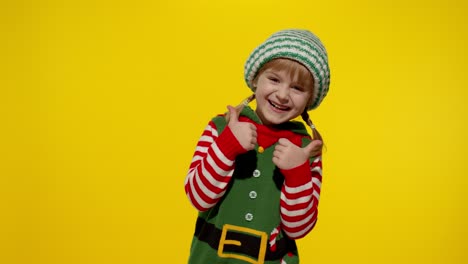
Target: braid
{"points": [[241, 106], [315, 133]]}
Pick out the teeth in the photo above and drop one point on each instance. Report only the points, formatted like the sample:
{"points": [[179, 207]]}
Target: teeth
{"points": [[276, 106]]}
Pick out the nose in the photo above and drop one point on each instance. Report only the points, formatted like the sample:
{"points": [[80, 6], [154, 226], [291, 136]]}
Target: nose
{"points": [[282, 93]]}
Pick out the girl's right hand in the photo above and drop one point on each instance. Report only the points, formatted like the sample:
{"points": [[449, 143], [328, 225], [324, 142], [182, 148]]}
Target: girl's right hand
{"points": [[245, 133]]}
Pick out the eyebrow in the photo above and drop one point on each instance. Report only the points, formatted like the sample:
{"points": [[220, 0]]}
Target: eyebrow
{"points": [[271, 71]]}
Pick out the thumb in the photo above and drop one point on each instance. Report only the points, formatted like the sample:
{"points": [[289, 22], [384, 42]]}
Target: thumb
{"points": [[233, 115], [314, 148], [284, 142]]}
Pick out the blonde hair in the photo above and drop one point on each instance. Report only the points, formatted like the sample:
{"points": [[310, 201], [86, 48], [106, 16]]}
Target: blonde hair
{"points": [[297, 72]]}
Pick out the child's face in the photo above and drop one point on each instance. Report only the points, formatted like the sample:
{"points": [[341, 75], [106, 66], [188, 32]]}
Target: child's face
{"points": [[280, 96]]}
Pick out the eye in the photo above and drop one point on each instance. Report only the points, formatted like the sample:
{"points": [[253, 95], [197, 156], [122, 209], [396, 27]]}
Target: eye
{"points": [[273, 79], [298, 88]]}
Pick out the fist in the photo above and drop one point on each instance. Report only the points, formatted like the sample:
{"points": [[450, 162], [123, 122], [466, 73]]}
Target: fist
{"points": [[245, 133], [287, 155]]}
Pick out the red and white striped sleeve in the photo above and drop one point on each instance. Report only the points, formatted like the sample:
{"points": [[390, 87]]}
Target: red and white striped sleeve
{"points": [[300, 196], [211, 167]]}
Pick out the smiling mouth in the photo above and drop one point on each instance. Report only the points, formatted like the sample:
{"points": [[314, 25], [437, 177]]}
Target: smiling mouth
{"points": [[282, 108]]}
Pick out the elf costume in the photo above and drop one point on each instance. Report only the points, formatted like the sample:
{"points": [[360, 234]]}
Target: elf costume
{"points": [[250, 211]]}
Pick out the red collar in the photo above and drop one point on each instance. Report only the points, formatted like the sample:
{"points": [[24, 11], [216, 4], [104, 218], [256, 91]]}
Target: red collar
{"points": [[267, 136]]}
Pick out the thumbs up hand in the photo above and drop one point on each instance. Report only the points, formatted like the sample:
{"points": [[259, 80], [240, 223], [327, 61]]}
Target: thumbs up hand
{"points": [[245, 133], [287, 155]]}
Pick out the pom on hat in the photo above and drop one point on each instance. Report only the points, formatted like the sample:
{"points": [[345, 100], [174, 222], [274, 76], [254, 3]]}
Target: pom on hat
{"points": [[298, 45]]}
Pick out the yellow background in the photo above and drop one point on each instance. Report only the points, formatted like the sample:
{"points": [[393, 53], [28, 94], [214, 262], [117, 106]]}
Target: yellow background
{"points": [[102, 103]]}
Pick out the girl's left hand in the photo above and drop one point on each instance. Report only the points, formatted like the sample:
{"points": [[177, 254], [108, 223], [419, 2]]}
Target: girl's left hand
{"points": [[287, 155]]}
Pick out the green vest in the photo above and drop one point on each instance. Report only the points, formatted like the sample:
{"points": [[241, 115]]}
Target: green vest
{"points": [[252, 201]]}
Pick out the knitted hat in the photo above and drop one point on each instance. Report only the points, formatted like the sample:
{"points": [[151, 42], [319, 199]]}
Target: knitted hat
{"points": [[298, 45]]}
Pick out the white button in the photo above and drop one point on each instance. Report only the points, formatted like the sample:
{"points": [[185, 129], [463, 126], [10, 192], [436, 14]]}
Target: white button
{"points": [[256, 173], [248, 217], [253, 194]]}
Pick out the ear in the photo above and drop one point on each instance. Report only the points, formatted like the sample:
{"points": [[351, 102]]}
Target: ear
{"points": [[311, 99], [309, 102], [254, 82]]}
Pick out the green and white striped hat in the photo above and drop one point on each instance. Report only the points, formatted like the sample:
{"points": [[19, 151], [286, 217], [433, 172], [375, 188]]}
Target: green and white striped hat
{"points": [[298, 45]]}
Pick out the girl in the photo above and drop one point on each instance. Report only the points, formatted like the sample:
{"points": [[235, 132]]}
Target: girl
{"points": [[255, 176]]}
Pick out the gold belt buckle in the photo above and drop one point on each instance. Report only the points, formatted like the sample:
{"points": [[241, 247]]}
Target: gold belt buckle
{"points": [[261, 253]]}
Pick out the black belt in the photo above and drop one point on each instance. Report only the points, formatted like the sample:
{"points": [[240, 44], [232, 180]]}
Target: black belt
{"points": [[250, 245]]}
